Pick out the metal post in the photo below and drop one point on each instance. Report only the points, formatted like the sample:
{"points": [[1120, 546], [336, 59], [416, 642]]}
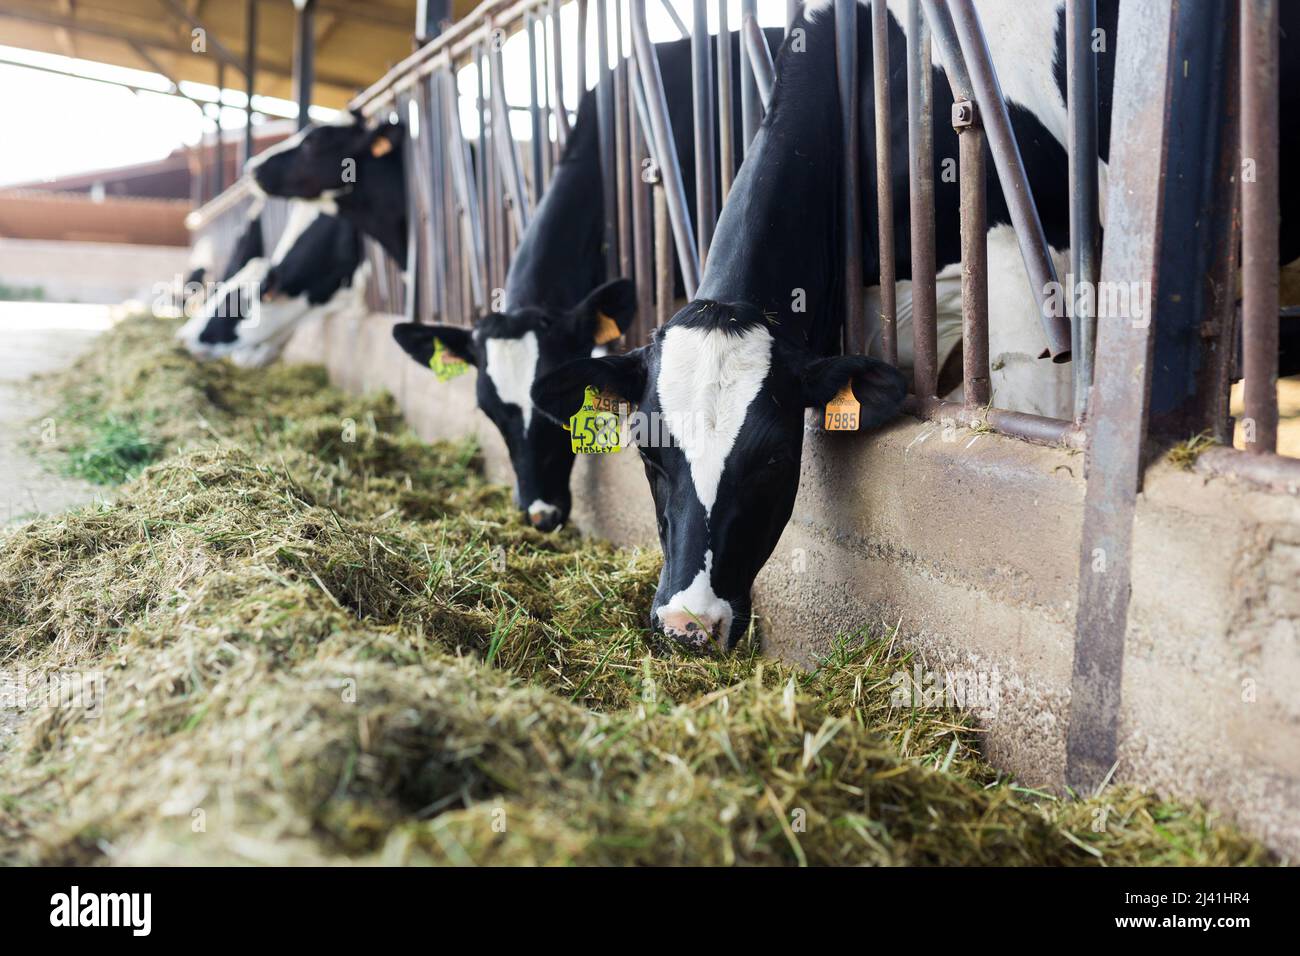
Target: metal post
{"points": [[750, 108], [557, 78], [304, 57], [605, 137], [1259, 221], [1085, 234], [706, 210], [920, 152], [726, 138], [467, 197], [792, 9], [760, 60], [250, 73], [884, 183], [534, 109], [219, 185], [512, 176], [582, 48], [846, 64], [622, 149], [642, 203]]}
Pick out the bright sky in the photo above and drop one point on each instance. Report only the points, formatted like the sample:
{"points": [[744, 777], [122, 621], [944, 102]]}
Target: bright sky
{"points": [[70, 124]]}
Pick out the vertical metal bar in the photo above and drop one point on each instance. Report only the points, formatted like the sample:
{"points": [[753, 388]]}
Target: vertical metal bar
{"points": [[665, 150], [642, 216], [1081, 73], [304, 58], [250, 73], [622, 149], [750, 108], [726, 139], [846, 64], [1259, 221], [663, 257], [760, 60], [557, 77], [884, 183], [487, 177], [582, 48], [706, 210], [1011, 174], [461, 171], [534, 109], [920, 153], [220, 184], [792, 8], [1140, 135], [507, 157], [605, 128], [414, 220]]}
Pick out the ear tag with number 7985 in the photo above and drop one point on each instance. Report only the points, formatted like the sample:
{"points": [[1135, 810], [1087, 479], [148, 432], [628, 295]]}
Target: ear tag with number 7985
{"points": [[843, 411]]}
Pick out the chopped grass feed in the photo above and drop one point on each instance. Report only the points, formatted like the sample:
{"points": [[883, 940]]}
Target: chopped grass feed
{"points": [[304, 636]]}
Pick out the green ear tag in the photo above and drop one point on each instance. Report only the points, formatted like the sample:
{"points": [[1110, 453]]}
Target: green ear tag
{"points": [[595, 426], [445, 365]]}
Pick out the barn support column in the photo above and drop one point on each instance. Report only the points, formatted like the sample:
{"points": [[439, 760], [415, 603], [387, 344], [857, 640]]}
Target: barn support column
{"points": [[1153, 98], [250, 73], [304, 57], [219, 147]]}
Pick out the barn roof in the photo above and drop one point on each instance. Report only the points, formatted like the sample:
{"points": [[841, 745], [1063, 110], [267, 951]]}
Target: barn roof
{"points": [[356, 42]]}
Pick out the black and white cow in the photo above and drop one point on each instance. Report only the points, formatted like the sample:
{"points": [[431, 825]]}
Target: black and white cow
{"points": [[558, 305], [731, 375], [317, 268]]}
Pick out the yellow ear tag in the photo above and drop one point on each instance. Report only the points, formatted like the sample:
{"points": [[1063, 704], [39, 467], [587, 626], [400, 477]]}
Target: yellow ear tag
{"points": [[445, 364], [381, 147], [595, 426], [843, 411], [607, 329]]}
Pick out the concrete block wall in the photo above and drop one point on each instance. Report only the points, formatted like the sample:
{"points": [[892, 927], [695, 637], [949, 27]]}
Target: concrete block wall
{"points": [[969, 545]]}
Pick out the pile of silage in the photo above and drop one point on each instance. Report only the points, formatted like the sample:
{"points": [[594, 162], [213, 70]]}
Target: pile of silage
{"points": [[319, 640]]}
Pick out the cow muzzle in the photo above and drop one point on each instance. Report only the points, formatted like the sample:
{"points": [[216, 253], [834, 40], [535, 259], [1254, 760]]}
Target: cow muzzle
{"points": [[695, 631]]}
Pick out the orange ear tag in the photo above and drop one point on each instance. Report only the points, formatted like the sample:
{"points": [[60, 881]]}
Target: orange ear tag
{"points": [[843, 411], [607, 329], [381, 147]]}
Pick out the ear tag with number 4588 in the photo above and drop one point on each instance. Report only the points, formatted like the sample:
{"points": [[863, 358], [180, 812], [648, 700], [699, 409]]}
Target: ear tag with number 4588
{"points": [[595, 426], [445, 364], [843, 412]]}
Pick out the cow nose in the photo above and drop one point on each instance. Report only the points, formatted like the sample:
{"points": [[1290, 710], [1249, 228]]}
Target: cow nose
{"points": [[544, 517], [693, 630]]}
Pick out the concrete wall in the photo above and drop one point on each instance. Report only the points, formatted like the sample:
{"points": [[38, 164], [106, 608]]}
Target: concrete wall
{"points": [[969, 545], [102, 272]]}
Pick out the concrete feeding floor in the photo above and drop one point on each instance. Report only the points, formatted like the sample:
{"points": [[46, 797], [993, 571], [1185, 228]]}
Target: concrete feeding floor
{"points": [[36, 338]]}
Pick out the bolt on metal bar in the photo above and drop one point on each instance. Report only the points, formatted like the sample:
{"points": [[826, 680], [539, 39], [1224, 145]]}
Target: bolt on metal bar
{"points": [[726, 142], [750, 107], [760, 60], [1011, 174], [706, 209], [920, 155], [557, 77], [846, 66], [974, 209], [512, 175], [665, 150], [884, 184], [1085, 232], [1259, 221]]}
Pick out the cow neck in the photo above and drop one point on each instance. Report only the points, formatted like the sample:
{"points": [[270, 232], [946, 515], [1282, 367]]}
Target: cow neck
{"points": [[559, 259], [778, 244], [379, 210]]}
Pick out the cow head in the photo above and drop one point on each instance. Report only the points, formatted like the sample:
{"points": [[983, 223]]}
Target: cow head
{"points": [[510, 351], [720, 418]]}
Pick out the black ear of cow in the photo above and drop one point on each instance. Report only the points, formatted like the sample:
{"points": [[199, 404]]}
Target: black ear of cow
{"points": [[418, 341], [616, 301], [385, 138], [558, 394], [877, 385]]}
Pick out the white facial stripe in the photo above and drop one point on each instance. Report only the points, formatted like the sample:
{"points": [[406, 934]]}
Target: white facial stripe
{"points": [[708, 378], [698, 600], [512, 365]]}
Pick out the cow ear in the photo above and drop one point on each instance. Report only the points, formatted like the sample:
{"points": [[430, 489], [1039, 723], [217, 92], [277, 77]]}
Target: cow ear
{"points": [[386, 138], [608, 312], [878, 386], [558, 394], [418, 341]]}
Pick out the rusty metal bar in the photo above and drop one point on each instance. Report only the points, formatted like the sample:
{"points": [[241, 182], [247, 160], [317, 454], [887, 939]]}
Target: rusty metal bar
{"points": [[1035, 428], [726, 142], [1085, 231], [846, 67], [760, 60], [665, 149], [750, 107], [706, 209], [557, 77], [1259, 221], [512, 175], [1141, 134], [1012, 176], [884, 184], [920, 154]]}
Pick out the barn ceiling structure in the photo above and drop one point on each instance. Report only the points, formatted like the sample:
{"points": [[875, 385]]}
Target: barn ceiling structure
{"points": [[349, 43]]}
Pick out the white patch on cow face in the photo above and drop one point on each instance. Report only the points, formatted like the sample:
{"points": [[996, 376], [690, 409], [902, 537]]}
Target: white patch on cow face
{"points": [[708, 378], [512, 366], [698, 601], [540, 509]]}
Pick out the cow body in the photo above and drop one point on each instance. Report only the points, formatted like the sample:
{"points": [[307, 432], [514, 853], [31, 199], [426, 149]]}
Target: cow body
{"points": [[315, 269]]}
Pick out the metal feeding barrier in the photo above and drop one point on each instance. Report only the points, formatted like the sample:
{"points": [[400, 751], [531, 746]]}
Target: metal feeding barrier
{"points": [[1195, 105]]}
